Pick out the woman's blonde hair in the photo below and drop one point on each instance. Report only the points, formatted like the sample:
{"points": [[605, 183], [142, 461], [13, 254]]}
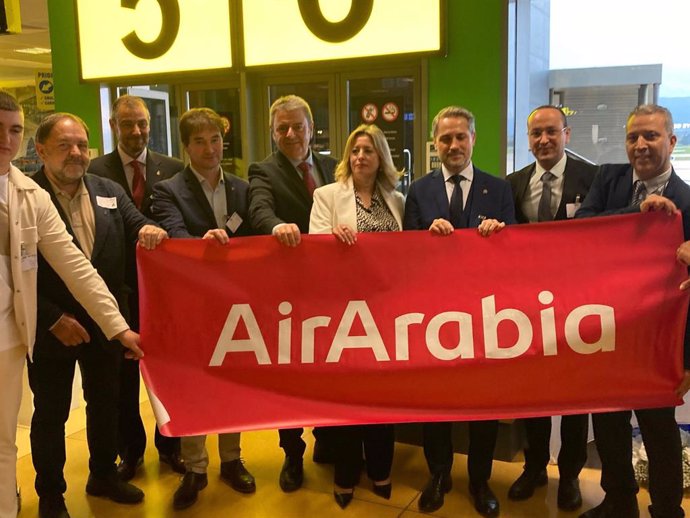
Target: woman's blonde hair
{"points": [[387, 174]]}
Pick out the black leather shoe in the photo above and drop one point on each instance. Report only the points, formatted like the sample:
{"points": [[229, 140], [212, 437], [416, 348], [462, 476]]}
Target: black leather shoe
{"points": [[383, 490], [324, 452], [188, 490], [52, 506], [291, 475], [523, 488], [127, 468], [342, 499], [235, 474], [485, 502], [569, 496], [174, 461], [614, 508], [432, 496], [112, 487]]}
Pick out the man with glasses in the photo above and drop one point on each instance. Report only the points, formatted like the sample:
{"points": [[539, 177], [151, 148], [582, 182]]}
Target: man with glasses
{"points": [[551, 188], [137, 169], [280, 192]]}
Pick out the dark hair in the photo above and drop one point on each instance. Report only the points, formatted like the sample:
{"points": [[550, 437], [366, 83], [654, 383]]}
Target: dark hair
{"points": [[651, 109], [47, 124], [195, 119]]}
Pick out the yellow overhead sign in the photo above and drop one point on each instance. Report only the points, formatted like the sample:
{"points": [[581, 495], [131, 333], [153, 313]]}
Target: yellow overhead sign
{"points": [[277, 32], [120, 38]]}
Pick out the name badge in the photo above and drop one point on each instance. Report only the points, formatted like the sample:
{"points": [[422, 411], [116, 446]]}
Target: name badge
{"points": [[571, 209], [234, 222], [106, 203], [29, 261]]}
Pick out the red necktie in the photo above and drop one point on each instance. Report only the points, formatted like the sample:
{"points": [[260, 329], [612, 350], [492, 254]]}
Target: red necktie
{"points": [[138, 184], [308, 179]]}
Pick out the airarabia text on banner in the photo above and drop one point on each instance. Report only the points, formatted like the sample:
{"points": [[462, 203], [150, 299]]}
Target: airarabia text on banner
{"points": [[243, 314]]}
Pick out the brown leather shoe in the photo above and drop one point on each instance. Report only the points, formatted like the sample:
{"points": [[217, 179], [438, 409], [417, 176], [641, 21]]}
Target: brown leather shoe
{"points": [[235, 474]]}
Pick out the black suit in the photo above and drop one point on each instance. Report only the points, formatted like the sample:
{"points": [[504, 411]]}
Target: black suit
{"points": [[52, 371], [611, 193], [578, 177], [278, 195], [489, 197], [181, 207], [131, 433]]}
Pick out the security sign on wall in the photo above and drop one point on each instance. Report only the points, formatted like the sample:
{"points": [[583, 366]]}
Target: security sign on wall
{"points": [[277, 32], [120, 38]]}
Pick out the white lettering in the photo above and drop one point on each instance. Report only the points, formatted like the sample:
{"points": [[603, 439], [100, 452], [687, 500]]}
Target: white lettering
{"points": [[548, 325], [465, 345], [492, 319], [227, 344], [607, 325], [370, 340], [402, 339]]}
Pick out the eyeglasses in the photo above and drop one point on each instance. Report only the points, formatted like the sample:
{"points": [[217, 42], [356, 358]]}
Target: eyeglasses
{"points": [[283, 129], [550, 132]]}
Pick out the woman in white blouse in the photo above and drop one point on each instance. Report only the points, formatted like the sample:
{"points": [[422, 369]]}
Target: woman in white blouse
{"points": [[362, 199]]}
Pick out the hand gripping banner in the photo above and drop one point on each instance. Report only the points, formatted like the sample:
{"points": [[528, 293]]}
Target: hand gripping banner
{"points": [[547, 319]]}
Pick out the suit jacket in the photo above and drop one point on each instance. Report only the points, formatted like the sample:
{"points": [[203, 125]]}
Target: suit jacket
{"points": [[181, 207], [335, 204], [158, 167], [114, 230], [278, 195], [578, 178], [611, 193], [41, 229], [427, 200]]}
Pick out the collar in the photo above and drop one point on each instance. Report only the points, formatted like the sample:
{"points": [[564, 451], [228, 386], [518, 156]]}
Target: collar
{"points": [[201, 179], [126, 159], [309, 160], [467, 173], [557, 170], [81, 190], [20, 180], [657, 183]]}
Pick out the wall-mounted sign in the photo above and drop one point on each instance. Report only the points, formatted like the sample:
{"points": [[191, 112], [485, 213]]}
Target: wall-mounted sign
{"points": [[315, 30], [121, 38], [45, 94]]}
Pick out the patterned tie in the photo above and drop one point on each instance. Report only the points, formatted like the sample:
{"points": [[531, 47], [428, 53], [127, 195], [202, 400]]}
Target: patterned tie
{"points": [[456, 205], [138, 184], [307, 177], [639, 193], [544, 212]]}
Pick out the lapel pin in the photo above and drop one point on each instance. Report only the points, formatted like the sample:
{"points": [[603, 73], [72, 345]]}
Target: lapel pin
{"points": [[158, 173], [485, 191]]}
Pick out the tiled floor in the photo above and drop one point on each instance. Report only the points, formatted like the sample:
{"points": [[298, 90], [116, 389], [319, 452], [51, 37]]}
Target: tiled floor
{"points": [[264, 458]]}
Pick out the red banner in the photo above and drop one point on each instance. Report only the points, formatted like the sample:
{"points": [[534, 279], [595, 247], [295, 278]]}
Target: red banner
{"points": [[555, 318]]}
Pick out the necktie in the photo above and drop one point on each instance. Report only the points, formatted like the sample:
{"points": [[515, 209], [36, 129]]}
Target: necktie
{"points": [[639, 193], [138, 184], [307, 177], [544, 212], [456, 205]]}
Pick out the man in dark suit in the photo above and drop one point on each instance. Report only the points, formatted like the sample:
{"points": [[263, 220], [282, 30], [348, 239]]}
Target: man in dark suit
{"points": [[458, 195], [552, 188], [648, 182], [137, 169], [204, 201], [102, 221], [281, 188]]}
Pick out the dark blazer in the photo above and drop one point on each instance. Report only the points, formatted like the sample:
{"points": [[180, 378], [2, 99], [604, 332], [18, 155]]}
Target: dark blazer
{"points": [[277, 192], [489, 197], [611, 193], [578, 178], [181, 207], [158, 167], [114, 230]]}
